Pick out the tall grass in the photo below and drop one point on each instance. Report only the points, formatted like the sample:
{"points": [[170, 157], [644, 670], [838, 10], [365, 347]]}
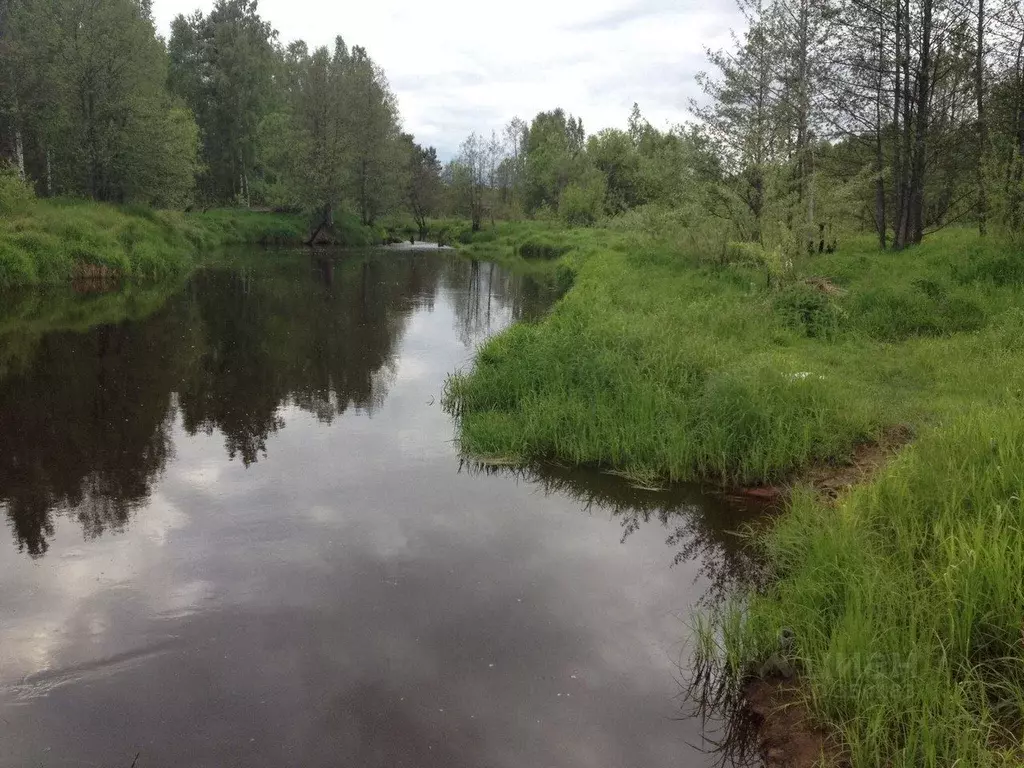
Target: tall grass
{"points": [[906, 600], [659, 363], [54, 241]]}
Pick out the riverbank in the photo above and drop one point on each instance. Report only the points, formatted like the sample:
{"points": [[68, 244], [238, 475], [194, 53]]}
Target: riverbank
{"points": [[905, 596], [62, 240]]}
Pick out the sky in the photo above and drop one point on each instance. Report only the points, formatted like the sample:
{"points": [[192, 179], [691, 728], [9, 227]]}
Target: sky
{"points": [[459, 66]]}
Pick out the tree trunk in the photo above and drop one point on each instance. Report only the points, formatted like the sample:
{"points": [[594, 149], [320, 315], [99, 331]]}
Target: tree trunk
{"points": [[1014, 156], [19, 154], [924, 84], [979, 85], [880, 222], [904, 195], [897, 127]]}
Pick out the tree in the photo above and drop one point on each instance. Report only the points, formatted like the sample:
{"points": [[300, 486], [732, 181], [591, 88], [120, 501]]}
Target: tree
{"points": [[371, 120], [424, 188], [11, 148], [582, 202], [979, 95], [741, 117], [94, 117], [614, 153], [222, 66], [305, 147], [513, 165], [554, 146], [468, 174]]}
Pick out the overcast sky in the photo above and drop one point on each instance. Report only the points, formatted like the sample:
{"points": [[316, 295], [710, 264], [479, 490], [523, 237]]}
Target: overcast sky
{"points": [[464, 65]]}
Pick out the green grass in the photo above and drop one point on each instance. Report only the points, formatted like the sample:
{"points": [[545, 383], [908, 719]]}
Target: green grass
{"points": [[906, 597], [906, 600], [55, 241], [661, 364]]}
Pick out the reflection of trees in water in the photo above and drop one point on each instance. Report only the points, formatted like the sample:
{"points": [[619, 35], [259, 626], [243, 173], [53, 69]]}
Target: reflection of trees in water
{"points": [[703, 529], [86, 417], [486, 297], [85, 428]]}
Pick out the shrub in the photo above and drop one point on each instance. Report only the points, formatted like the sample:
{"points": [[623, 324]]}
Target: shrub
{"points": [[542, 249], [15, 194], [582, 203], [809, 310]]}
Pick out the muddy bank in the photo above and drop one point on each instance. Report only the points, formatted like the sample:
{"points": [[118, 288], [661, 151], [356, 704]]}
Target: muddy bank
{"points": [[831, 481], [787, 736]]}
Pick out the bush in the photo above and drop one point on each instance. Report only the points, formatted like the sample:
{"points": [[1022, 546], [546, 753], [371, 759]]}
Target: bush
{"points": [[542, 249], [582, 203], [15, 194], [810, 311]]}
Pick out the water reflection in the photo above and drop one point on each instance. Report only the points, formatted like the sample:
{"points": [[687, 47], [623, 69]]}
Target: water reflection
{"points": [[85, 415], [300, 573], [709, 530]]}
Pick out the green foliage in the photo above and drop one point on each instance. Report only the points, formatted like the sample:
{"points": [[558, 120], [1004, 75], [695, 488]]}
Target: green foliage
{"points": [[554, 144], [905, 600], [613, 153], [103, 109], [810, 311], [96, 117], [58, 241], [582, 203], [15, 194], [221, 66]]}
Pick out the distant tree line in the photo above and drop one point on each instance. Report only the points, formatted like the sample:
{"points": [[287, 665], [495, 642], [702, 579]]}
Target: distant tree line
{"points": [[93, 103], [895, 116], [550, 167]]}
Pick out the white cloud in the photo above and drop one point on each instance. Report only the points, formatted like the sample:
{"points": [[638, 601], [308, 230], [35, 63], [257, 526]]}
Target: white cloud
{"points": [[459, 66]]}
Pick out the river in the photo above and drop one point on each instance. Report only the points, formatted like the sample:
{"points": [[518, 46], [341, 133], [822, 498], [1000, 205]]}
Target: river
{"points": [[239, 534]]}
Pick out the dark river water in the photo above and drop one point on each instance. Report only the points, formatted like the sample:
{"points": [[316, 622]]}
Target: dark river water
{"points": [[238, 533]]}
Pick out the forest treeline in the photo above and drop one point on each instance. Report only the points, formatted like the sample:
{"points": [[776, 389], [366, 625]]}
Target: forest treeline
{"points": [[95, 104], [906, 115], [893, 116], [823, 116]]}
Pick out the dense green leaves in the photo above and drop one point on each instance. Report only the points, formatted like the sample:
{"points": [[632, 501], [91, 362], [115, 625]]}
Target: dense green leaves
{"points": [[90, 108], [93, 104], [222, 67]]}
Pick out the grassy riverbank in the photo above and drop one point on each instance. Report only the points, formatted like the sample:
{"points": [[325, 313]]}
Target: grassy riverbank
{"points": [[906, 601], [661, 363], [45, 241], [905, 597], [56, 241]]}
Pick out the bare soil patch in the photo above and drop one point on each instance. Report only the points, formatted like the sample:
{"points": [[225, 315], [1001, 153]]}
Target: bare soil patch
{"points": [[832, 480], [787, 735]]}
